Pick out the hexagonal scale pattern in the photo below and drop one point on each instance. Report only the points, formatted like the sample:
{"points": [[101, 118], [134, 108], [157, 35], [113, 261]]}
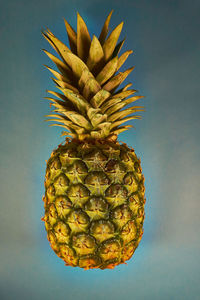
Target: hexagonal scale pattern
{"points": [[94, 203]]}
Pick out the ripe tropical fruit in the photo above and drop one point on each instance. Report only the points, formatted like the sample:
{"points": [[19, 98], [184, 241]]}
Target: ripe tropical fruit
{"points": [[94, 188]]}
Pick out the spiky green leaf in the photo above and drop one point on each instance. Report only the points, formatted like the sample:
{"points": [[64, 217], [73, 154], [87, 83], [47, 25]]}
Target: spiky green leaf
{"points": [[121, 129], [65, 85], [132, 99], [110, 43], [122, 121], [118, 48], [123, 58], [88, 84], [99, 98], [60, 65], [107, 104], [115, 81], [60, 47], [72, 36], [91, 88], [104, 30], [114, 108], [77, 100], [96, 55], [123, 94], [77, 65], [107, 72], [61, 105], [83, 38], [95, 116], [121, 114], [126, 87], [78, 119], [58, 95], [59, 76]]}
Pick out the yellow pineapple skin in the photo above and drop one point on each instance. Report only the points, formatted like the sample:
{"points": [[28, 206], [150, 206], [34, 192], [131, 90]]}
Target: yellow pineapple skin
{"points": [[94, 203]]}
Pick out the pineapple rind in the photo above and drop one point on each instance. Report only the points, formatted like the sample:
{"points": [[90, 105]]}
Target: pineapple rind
{"points": [[94, 203]]}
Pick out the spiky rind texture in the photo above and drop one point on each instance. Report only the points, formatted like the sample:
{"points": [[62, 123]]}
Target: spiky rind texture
{"points": [[94, 203]]}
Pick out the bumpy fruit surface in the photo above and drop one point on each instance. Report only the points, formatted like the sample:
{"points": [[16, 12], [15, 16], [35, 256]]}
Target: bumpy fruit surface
{"points": [[94, 203]]}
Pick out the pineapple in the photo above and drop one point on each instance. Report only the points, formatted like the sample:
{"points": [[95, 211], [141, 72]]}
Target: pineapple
{"points": [[94, 188]]}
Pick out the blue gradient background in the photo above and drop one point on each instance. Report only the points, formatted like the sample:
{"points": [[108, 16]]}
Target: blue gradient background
{"points": [[165, 38]]}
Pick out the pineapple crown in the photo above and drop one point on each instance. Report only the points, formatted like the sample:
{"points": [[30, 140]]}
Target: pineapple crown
{"points": [[88, 105]]}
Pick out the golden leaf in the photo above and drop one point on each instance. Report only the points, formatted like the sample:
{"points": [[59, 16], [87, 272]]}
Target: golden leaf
{"points": [[58, 75], [96, 55], [72, 36], [123, 58], [108, 71], [83, 38], [60, 47], [99, 98], [61, 65], [104, 30], [115, 81], [110, 43], [77, 65]]}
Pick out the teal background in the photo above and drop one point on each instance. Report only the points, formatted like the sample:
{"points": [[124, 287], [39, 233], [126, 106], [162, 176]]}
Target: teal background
{"points": [[165, 38]]}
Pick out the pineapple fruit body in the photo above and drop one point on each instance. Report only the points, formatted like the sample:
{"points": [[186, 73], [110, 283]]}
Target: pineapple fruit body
{"points": [[94, 188], [94, 203]]}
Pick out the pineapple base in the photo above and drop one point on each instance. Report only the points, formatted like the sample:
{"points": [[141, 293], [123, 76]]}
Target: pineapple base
{"points": [[94, 203]]}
